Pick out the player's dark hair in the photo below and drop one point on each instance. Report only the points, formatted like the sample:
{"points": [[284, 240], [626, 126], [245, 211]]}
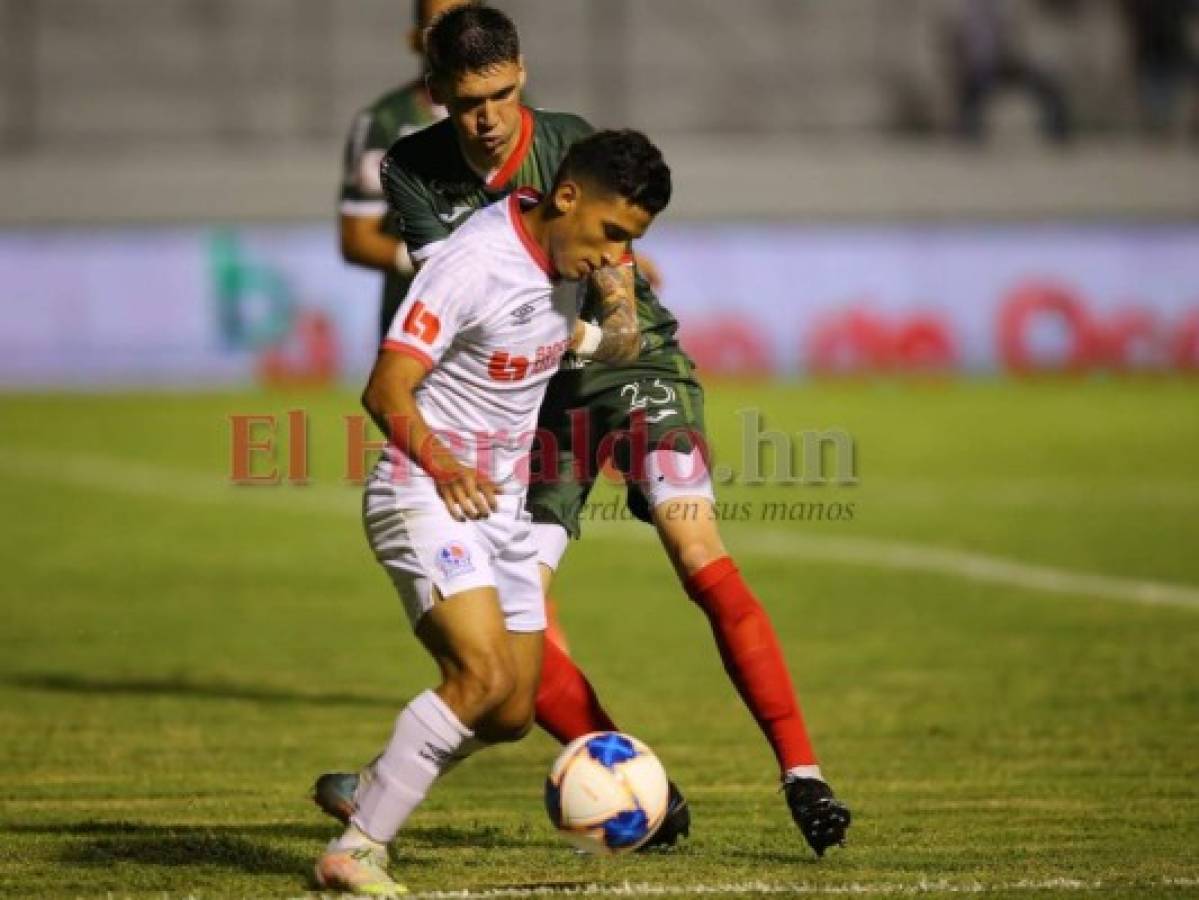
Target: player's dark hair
{"points": [[624, 162], [471, 38]]}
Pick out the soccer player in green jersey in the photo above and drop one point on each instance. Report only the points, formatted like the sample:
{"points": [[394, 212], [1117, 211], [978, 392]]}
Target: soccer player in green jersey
{"points": [[362, 222], [628, 375]]}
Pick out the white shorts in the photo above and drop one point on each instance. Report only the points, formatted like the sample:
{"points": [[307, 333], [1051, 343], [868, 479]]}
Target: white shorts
{"points": [[422, 547]]}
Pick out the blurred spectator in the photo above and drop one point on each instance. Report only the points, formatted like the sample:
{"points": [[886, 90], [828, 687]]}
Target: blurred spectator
{"points": [[987, 53], [1162, 57], [366, 238]]}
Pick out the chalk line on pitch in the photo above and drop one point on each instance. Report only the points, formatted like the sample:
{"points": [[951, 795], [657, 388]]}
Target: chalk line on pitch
{"points": [[114, 474], [761, 888]]}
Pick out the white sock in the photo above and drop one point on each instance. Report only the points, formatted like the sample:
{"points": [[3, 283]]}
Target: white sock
{"points": [[804, 772], [354, 838], [468, 748], [426, 740]]}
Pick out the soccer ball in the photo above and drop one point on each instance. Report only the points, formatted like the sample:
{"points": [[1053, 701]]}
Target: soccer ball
{"points": [[607, 792]]}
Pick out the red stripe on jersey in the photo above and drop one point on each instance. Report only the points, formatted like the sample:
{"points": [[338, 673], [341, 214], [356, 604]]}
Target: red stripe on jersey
{"points": [[523, 143], [408, 350], [518, 223]]}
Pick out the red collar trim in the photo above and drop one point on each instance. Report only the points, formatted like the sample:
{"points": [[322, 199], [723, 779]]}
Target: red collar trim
{"points": [[508, 169], [518, 225]]}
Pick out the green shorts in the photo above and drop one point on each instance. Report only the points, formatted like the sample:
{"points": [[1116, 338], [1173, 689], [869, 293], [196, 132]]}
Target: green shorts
{"points": [[587, 422]]}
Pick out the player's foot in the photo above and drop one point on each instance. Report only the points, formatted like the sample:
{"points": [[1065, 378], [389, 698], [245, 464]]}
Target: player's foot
{"points": [[676, 824], [333, 792], [821, 817], [360, 870]]}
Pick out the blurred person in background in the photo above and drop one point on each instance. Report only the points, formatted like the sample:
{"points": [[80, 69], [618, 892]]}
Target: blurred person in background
{"points": [[1163, 59], [987, 53], [365, 238]]}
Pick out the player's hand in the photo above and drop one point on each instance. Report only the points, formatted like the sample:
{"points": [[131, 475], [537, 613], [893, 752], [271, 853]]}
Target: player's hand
{"points": [[650, 270], [468, 494]]}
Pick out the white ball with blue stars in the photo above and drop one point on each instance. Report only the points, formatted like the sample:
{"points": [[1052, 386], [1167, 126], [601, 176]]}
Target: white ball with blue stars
{"points": [[607, 793]]}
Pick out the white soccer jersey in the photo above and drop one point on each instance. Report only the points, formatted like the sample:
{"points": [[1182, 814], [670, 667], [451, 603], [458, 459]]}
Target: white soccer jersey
{"points": [[491, 324]]}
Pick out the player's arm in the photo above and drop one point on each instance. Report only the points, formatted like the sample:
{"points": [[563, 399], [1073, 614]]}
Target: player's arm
{"points": [[363, 208], [365, 243], [390, 399], [616, 339]]}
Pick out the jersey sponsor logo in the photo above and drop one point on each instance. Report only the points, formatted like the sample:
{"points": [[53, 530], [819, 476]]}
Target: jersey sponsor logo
{"points": [[421, 323], [455, 214], [655, 417], [454, 559], [523, 313], [503, 366]]}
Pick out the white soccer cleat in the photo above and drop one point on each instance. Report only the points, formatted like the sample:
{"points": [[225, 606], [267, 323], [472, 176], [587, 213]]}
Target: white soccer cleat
{"points": [[361, 870]]}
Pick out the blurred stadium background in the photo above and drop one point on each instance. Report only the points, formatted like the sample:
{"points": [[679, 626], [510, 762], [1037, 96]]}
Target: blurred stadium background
{"points": [[170, 172], [995, 645]]}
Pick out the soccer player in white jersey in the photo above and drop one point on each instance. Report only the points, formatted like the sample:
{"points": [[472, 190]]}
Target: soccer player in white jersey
{"points": [[456, 389]]}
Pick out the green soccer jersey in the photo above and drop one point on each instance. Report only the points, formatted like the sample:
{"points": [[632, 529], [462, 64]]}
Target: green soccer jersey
{"points": [[394, 115], [431, 190]]}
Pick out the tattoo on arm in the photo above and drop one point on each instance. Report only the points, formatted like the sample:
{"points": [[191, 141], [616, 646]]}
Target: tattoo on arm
{"points": [[621, 342]]}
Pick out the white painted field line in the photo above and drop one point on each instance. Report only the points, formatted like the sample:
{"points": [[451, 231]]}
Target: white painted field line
{"points": [[114, 475], [972, 566], [111, 474], [801, 889], [900, 555]]}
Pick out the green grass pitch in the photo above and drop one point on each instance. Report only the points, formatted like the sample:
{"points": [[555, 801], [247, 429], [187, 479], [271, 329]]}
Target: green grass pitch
{"points": [[179, 657]]}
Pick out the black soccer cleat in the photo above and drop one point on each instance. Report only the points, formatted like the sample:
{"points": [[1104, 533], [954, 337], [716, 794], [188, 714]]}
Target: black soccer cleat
{"points": [[676, 824], [821, 817]]}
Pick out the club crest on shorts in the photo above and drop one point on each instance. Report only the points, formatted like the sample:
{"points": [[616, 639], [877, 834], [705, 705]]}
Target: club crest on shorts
{"points": [[454, 559]]}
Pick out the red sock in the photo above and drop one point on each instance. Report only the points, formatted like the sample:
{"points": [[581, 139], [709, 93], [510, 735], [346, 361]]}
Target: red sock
{"points": [[567, 706], [753, 659]]}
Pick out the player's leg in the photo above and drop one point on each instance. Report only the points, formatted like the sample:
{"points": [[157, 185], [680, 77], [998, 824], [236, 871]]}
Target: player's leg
{"points": [[744, 635], [673, 489], [429, 557], [753, 659], [465, 635], [567, 704]]}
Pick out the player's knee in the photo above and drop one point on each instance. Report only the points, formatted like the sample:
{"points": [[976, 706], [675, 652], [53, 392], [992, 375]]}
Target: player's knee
{"points": [[695, 552], [508, 722], [484, 682], [689, 535]]}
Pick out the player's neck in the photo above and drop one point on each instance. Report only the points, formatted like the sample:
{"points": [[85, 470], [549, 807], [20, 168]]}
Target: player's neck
{"points": [[485, 164], [537, 227]]}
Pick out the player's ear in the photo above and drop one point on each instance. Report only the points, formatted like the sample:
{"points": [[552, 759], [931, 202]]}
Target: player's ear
{"points": [[416, 41], [523, 76], [566, 196]]}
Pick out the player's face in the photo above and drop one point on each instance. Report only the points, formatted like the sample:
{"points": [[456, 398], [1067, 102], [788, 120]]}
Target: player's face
{"points": [[485, 109], [595, 229]]}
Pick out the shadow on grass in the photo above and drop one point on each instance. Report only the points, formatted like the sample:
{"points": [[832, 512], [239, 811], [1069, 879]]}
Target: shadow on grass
{"points": [[185, 846], [252, 848], [183, 687], [799, 856]]}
